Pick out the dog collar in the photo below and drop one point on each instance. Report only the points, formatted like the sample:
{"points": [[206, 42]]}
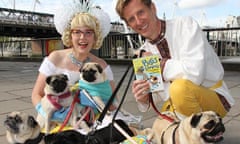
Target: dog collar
{"points": [[34, 141], [55, 99], [174, 132]]}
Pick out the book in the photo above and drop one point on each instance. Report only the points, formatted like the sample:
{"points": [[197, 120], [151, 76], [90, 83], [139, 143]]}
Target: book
{"points": [[148, 68]]}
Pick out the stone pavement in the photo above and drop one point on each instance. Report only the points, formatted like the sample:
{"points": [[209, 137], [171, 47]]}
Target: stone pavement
{"points": [[17, 80]]}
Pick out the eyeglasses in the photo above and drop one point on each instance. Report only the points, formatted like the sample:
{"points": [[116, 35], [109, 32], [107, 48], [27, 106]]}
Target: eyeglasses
{"points": [[78, 32]]}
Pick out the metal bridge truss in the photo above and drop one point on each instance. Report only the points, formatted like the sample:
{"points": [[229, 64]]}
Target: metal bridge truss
{"points": [[11, 16], [19, 23]]}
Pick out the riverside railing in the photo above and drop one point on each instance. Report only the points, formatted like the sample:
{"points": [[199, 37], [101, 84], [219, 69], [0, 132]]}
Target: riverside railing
{"points": [[225, 42]]}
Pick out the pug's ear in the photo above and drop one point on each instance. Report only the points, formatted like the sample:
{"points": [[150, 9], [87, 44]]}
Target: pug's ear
{"points": [[195, 119], [99, 68], [65, 77], [81, 69], [32, 122], [48, 79]]}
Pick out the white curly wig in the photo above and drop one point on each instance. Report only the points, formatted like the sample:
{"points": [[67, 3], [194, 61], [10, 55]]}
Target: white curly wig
{"points": [[64, 16]]}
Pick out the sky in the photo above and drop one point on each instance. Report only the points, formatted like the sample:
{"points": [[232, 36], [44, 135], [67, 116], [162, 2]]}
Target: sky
{"points": [[206, 12]]}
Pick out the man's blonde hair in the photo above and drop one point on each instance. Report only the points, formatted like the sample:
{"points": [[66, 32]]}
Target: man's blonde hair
{"points": [[83, 19], [121, 4]]}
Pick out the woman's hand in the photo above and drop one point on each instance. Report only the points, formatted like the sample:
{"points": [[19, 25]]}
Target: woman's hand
{"points": [[140, 90]]}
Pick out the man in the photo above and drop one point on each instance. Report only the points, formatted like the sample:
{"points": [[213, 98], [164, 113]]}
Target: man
{"points": [[191, 71]]}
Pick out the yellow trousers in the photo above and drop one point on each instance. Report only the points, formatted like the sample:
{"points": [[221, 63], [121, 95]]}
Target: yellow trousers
{"points": [[187, 98]]}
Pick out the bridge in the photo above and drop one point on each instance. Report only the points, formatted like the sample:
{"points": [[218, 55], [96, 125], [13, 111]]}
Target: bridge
{"points": [[44, 37], [19, 23]]}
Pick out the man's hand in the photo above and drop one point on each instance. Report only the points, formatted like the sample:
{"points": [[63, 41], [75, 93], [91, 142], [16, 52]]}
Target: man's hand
{"points": [[140, 90]]}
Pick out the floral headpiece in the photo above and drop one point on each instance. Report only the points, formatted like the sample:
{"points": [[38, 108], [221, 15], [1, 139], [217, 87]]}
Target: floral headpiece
{"points": [[63, 17]]}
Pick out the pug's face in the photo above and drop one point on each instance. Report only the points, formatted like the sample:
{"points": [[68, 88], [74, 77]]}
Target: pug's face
{"points": [[153, 79], [20, 127], [209, 126], [56, 84], [92, 73]]}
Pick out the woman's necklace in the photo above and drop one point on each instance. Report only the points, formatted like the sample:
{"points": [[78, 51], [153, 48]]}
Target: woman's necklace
{"points": [[76, 61]]}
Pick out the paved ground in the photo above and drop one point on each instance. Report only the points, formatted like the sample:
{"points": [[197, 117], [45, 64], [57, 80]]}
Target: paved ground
{"points": [[17, 79]]}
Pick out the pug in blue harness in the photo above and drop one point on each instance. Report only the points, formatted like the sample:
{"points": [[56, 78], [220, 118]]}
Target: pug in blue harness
{"points": [[94, 81]]}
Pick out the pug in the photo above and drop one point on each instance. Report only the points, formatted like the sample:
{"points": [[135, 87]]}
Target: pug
{"points": [[22, 128], [200, 128], [57, 96], [92, 73]]}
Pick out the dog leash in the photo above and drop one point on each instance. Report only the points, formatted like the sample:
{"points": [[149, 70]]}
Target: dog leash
{"points": [[82, 117], [104, 111], [118, 108], [158, 112], [110, 101], [75, 100], [152, 103]]}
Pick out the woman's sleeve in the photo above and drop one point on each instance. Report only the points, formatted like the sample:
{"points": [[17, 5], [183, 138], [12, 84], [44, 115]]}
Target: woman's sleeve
{"points": [[47, 67], [109, 73]]}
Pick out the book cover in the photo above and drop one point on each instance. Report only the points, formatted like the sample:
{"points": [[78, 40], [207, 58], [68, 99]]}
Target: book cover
{"points": [[148, 68]]}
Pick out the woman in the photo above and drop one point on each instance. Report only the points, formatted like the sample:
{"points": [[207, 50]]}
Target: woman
{"points": [[82, 33]]}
